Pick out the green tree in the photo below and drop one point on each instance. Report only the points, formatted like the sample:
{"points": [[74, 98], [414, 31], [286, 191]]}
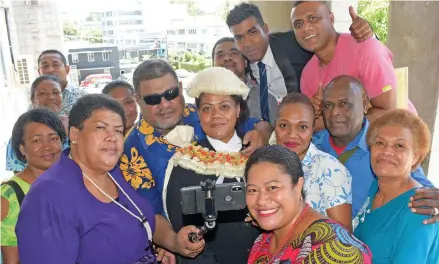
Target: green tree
{"points": [[94, 36], [377, 13], [70, 31], [192, 8]]}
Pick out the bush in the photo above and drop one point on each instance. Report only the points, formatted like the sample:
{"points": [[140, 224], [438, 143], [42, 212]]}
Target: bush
{"points": [[377, 13], [193, 67]]}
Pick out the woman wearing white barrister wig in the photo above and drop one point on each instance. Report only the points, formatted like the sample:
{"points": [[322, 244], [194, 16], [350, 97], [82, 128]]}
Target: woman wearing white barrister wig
{"points": [[220, 99]]}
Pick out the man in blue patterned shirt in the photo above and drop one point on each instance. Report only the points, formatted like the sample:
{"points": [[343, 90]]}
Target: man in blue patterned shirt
{"points": [[50, 62], [146, 152], [344, 107], [53, 62]]}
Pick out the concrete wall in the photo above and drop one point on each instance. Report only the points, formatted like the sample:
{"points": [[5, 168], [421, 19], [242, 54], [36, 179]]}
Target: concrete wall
{"points": [[35, 28], [276, 14], [413, 39], [343, 20]]}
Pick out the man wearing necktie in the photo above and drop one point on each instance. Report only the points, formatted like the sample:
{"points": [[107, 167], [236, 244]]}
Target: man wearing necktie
{"points": [[263, 92], [276, 60]]}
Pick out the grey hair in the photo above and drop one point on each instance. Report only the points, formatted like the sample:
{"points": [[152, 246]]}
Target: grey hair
{"points": [[152, 69]]}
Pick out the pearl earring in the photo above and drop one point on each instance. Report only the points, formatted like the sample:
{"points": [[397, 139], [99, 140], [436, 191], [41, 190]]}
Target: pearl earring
{"points": [[73, 142]]}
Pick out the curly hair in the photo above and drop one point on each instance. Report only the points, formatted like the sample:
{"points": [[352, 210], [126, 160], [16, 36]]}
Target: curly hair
{"points": [[243, 11], [404, 119], [287, 161]]}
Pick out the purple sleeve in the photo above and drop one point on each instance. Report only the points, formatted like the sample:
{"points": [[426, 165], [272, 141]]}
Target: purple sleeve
{"points": [[44, 233]]}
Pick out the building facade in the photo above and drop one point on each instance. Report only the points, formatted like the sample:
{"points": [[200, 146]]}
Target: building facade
{"points": [[95, 60], [197, 34]]}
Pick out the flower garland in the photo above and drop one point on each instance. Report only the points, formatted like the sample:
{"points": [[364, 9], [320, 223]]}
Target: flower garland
{"points": [[207, 162]]}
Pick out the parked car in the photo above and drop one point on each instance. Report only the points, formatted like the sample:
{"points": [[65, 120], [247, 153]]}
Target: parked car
{"points": [[98, 86], [93, 78]]}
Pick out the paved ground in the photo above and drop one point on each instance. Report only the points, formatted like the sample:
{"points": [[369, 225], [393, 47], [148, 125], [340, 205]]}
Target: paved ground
{"points": [[13, 102]]}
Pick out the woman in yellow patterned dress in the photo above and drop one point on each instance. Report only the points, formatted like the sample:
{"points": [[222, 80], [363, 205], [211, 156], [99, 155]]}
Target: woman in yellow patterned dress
{"points": [[37, 138], [295, 233]]}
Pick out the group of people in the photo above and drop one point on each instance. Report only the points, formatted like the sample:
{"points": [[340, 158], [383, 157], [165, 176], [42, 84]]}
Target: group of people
{"points": [[306, 119]]}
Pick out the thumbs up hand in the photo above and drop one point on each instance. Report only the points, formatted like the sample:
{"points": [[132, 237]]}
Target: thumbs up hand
{"points": [[317, 100], [360, 29]]}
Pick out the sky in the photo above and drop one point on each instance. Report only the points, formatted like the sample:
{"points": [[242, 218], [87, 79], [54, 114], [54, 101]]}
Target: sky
{"points": [[81, 7]]}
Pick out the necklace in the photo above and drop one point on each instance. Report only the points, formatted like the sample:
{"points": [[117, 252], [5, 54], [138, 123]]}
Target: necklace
{"points": [[285, 242], [142, 219]]}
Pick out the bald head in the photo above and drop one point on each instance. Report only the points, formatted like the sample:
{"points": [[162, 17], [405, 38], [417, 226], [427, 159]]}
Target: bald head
{"points": [[345, 82], [344, 106]]}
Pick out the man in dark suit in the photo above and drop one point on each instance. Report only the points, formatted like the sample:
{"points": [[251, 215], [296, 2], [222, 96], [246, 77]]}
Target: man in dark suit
{"points": [[276, 60]]}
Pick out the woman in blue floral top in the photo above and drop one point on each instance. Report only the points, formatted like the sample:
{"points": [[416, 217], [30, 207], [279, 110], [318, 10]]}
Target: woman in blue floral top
{"points": [[327, 182]]}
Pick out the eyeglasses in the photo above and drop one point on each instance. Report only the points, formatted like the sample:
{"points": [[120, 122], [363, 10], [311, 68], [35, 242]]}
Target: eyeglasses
{"points": [[155, 99]]}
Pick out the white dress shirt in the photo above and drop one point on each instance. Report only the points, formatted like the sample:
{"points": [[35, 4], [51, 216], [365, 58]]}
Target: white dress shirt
{"points": [[275, 79], [234, 145]]}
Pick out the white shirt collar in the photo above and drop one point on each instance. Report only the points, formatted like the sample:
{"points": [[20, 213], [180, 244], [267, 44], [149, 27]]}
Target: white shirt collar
{"points": [[234, 144], [268, 59]]}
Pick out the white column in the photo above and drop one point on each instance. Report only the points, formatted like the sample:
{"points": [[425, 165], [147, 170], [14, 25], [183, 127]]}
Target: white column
{"points": [[343, 20]]}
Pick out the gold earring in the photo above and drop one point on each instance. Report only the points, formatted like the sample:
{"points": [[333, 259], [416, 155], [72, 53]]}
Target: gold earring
{"points": [[73, 142]]}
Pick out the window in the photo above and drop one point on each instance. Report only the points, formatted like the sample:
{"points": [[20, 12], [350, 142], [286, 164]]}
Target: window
{"points": [[181, 45], [138, 22], [91, 56], [204, 31], [181, 32], [192, 46], [109, 23], [171, 45], [110, 32], [192, 31], [105, 56], [75, 58], [171, 32], [23, 72]]}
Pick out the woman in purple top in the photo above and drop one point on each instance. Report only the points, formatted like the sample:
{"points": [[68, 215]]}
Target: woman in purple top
{"points": [[81, 210]]}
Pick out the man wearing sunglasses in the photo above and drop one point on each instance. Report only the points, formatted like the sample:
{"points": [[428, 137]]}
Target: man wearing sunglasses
{"points": [[162, 105]]}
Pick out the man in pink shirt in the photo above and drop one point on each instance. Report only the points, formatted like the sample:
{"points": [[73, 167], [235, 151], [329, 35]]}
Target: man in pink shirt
{"points": [[340, 54]]}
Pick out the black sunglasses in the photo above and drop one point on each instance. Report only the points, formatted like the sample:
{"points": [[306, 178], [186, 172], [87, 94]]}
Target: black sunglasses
{"points": [[155, 99]]}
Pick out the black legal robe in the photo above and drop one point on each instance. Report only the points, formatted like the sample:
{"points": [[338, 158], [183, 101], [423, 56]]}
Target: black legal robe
{"points": [[232, 239]]}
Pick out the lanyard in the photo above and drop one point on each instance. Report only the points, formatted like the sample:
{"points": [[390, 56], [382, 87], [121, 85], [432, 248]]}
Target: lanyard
{"points": [[142, 219]]}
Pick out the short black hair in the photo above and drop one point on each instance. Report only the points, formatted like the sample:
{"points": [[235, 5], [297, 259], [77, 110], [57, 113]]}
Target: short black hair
{"points": [[116, 84], [221, 40], [41, 116], [297, 98], [243, 11], [152, 69], [39, 80], [87, 104], [285, 159], [53, 51]]}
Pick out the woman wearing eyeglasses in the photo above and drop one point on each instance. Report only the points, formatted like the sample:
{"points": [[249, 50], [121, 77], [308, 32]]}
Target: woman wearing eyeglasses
{"points": [[219, 96], [81, 210]]}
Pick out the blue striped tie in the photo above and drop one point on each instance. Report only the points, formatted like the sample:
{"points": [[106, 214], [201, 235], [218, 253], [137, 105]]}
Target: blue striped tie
{"points": [[263, 92]]}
